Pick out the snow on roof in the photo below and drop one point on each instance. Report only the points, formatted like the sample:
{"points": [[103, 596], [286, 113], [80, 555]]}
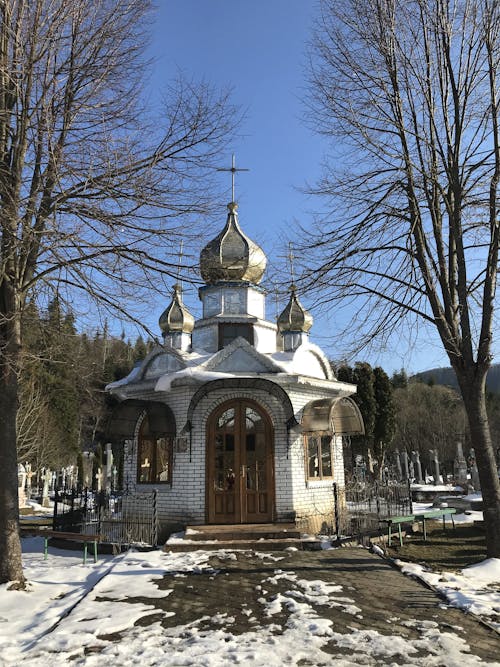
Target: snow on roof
{"points": [[307, 361], [164, 383], [133, 376]]}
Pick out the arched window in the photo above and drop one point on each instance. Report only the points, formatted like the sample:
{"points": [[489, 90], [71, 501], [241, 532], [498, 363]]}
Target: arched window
{"points": [[154, 455]]}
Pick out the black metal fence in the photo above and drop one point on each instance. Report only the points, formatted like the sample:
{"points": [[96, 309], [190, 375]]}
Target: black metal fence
{"points": [[121, 518], [361, 505]]}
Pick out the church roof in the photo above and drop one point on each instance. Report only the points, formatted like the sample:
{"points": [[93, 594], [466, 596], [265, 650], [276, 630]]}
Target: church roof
{"points": [[231, 255], [294, 317], [176, 317]]}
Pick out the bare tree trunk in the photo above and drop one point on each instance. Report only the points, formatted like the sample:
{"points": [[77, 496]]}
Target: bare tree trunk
{"points": [[10, 543], [409, 90], [473, 391], [93, 187]]}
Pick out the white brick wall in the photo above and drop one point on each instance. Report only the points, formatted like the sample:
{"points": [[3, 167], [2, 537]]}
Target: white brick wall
{"points": [[183, 502]]}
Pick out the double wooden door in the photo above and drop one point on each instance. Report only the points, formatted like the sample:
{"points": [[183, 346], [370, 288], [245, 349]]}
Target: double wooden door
{"points": [[240, 471]]}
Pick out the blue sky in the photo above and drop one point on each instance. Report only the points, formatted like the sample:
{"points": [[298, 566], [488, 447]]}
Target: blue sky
{"points": [[258, 48]]}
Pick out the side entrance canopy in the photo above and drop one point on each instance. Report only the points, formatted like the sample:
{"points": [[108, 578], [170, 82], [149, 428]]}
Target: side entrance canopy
{"points": [[340, 416], [124, 419]]}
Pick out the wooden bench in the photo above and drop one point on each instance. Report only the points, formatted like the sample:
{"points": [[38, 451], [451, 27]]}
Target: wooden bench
{"points": [[75, 537], [435, 514], [418, 516], [396, 521]]}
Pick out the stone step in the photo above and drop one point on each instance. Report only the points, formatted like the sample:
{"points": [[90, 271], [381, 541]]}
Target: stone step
{"points": [[255, 545], [238, 535], [257, 536], [247, 532]]}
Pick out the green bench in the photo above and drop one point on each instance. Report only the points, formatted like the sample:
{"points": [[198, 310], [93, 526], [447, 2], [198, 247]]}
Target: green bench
{"points": [[436, 514], [74, 537], [398, 521]]}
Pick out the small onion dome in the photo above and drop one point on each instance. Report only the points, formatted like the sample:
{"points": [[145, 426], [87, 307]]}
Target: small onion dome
{"points": [[176, 317], [231, 255], [295, 317]]}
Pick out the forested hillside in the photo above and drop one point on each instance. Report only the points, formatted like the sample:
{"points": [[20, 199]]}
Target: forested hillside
{"points": [[430, 415], [446, 376], [63, 407]]}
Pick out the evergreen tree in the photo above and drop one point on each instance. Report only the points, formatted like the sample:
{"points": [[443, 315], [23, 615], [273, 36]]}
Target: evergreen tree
{"points": [[47, 421], [362, 376], [385, 424], [364, 379], [60, 374], [63, 406], [399, 379], [140, 349]]}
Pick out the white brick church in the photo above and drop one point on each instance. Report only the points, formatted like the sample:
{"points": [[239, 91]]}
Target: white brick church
{"points": [[235, 419]]}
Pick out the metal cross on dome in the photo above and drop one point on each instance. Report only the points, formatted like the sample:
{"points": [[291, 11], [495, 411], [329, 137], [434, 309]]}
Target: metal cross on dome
{"points": [[233, 169], [179, 263], [290, 258]]}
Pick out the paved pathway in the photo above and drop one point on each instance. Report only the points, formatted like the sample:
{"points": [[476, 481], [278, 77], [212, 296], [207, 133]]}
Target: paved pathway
{"points": [[332, 608], [362, 596]]}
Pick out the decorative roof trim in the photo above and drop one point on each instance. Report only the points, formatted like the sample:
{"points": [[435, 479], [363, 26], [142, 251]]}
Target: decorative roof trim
{"points": [[243, 383], [240, 343], [157, 352]]}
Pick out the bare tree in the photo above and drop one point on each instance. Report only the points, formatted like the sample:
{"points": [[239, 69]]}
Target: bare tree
{"points": [[407, 93], [94, 191], [32, 412], [38, 438], [429, 417]]}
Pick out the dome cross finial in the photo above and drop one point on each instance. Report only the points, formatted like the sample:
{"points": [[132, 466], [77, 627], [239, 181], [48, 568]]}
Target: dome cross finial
{"points": [[179, 263], [233, 169], [291, 257]]}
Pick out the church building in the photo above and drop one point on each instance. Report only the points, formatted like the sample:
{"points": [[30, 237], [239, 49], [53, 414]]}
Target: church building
{"points": [[235, 419]]}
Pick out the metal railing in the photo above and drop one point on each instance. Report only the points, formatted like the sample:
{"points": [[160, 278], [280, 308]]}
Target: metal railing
{"points": [[365, 502], [121, 518]]}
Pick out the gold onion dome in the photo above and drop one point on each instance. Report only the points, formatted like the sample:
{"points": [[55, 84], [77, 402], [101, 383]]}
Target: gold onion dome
{"points": [[176, 317], [294, 317], [231, 255]]}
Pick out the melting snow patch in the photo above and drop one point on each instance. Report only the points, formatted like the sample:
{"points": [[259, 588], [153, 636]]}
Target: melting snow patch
{"points": [[316, 592], [82, 639], [475, 588], [377, 550]]}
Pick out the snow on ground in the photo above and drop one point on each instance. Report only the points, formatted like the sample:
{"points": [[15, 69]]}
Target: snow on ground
{"points": [[38, 511], [475, 588], [467, 517], [464, 517], [62, 587], [436, 487], [75, 614]]}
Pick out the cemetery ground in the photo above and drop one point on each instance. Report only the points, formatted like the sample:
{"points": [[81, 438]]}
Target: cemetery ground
{"points": [[341, 607], [448, 550]]}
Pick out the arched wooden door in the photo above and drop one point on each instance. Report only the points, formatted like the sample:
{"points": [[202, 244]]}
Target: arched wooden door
{"points": [[240, 470]]}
